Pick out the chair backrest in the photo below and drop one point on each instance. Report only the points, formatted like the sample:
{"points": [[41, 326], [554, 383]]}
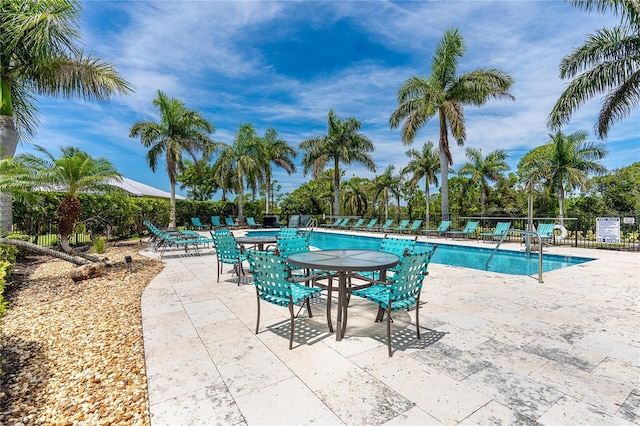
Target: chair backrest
{"points": [[545, 229], [287, 232], [229, 221], [345, 222], [215, 221], [501, 228], [195, 221], [471, 226], [290, 245], [404, 223], [225, 245], [358, 223], [416, 224], [409, 275], [371, 223], [270, 276], [444, 225], [387, 224], [397, 245]]}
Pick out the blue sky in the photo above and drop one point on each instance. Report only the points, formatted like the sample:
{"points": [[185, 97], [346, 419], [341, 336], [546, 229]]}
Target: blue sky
{"points": [[285, 64]]}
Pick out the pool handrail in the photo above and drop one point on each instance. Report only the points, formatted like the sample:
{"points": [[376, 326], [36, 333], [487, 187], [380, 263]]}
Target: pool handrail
{"points": [[518, 231]]}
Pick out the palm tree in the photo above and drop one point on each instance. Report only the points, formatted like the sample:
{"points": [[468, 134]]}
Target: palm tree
{"points": [[355, 198], [383, 185], [281, 154], [342, 143], [425, 165], [180, 130], [607, 63], [41, 56], [564, 163], [244, 161], [444, 93], [483, 170], [73, 172]]}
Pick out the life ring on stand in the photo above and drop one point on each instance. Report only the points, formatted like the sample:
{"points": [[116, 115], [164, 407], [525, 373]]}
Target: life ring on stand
{"points": [[563, 231]]}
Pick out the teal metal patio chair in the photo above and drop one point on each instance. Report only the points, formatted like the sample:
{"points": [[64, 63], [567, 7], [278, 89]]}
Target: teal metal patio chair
{"points": [[469, 229], [414, 226], [441, 229], [385, 226], [336, 223], [195, 221], [273, 282], [228, 221], [287, 232], [545, 230], [358, 224], [227, 251], [368, 226], [402, 226], [500, 229], [402, 292], [252, 223], [215, 222]]}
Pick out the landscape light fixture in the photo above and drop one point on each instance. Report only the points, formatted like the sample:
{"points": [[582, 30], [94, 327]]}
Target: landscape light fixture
{"points": [[129, 261]]}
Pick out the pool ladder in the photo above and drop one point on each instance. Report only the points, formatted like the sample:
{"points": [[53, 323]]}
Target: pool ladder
{"points": [[313, 223], [527, 233]]}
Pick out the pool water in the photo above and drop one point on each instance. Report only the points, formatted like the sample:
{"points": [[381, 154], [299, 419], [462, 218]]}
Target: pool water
{"points": [[504, 261]]}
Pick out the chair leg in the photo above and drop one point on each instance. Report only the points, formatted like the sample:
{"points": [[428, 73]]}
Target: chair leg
{"points": [[418, 316], [258, 316], [309, 308], [218, 279], [291, 335], [389, 330]]}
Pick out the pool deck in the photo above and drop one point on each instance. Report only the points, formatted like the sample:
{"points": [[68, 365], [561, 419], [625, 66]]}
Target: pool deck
{"points": [[495, 349]]}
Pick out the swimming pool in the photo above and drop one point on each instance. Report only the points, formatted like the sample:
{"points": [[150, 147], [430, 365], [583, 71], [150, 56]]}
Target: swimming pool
{"points": [[505, 261]]}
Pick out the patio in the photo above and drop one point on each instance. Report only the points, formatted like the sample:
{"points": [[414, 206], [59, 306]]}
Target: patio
{"points": [[495, 349]]}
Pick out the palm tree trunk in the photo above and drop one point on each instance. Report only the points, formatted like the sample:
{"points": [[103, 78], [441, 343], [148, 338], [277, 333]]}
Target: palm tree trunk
{"points": [[426, 191], [172, 211], [43, 250], [268, 194], [561, 204], [240, 199], [386, 205], [444, 183], [336, 189], [8, 144]]}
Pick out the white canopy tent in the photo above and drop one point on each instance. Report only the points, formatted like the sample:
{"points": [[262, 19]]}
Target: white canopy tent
{"points": [[139, 189]]}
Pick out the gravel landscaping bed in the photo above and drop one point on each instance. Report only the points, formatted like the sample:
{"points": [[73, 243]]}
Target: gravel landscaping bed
{"points": [[73, 352]]}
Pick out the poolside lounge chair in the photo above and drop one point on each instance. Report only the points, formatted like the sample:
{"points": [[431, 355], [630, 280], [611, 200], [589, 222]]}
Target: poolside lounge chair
{"points": [[414, 226], [215, 222], [336, 223], [229, 222], [402, 226], [344, 224], [272, 279], [385, 227], [252, 223], [195, 221], [441, 229], [545, 230], [402, 292], [500, 229], [369, 225], [358, 224], [469, 228]]}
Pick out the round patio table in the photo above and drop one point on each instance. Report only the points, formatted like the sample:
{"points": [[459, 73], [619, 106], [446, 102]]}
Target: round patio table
{"points": [[258, 240], [344, 262]]}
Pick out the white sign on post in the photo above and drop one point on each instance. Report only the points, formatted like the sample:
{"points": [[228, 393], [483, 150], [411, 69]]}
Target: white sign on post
{"points": [[608, 230]]}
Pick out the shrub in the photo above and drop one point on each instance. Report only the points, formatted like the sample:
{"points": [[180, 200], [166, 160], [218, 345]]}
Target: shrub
{"points": [[100, 245]]}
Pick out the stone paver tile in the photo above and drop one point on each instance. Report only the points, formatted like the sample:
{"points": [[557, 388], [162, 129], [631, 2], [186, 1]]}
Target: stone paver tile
{"points": [[603, 393], [507, 357], [210, 404], [564, 353], [460, 319], [495, 413], [170, 327], [254, 369], [447, 400], [414, 416], [320, 369], [178, 368], [458, 337], [363, 399], [288, 402], [449, 360], [228, 341], [630, 410], [569, 411], [603, 343], [509, 334], [522, 394], [207, 312], [617, 370]]}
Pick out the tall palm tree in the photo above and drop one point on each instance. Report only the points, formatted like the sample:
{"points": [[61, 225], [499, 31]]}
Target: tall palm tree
{"points": [[355, 198], [73, 172], [41, 56], [180, 130], [342, 143], [281, 154], [483, 170], [424, 164], [564, 163], [444, 93], [243, 161], [607, 63], [384, 185]]}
